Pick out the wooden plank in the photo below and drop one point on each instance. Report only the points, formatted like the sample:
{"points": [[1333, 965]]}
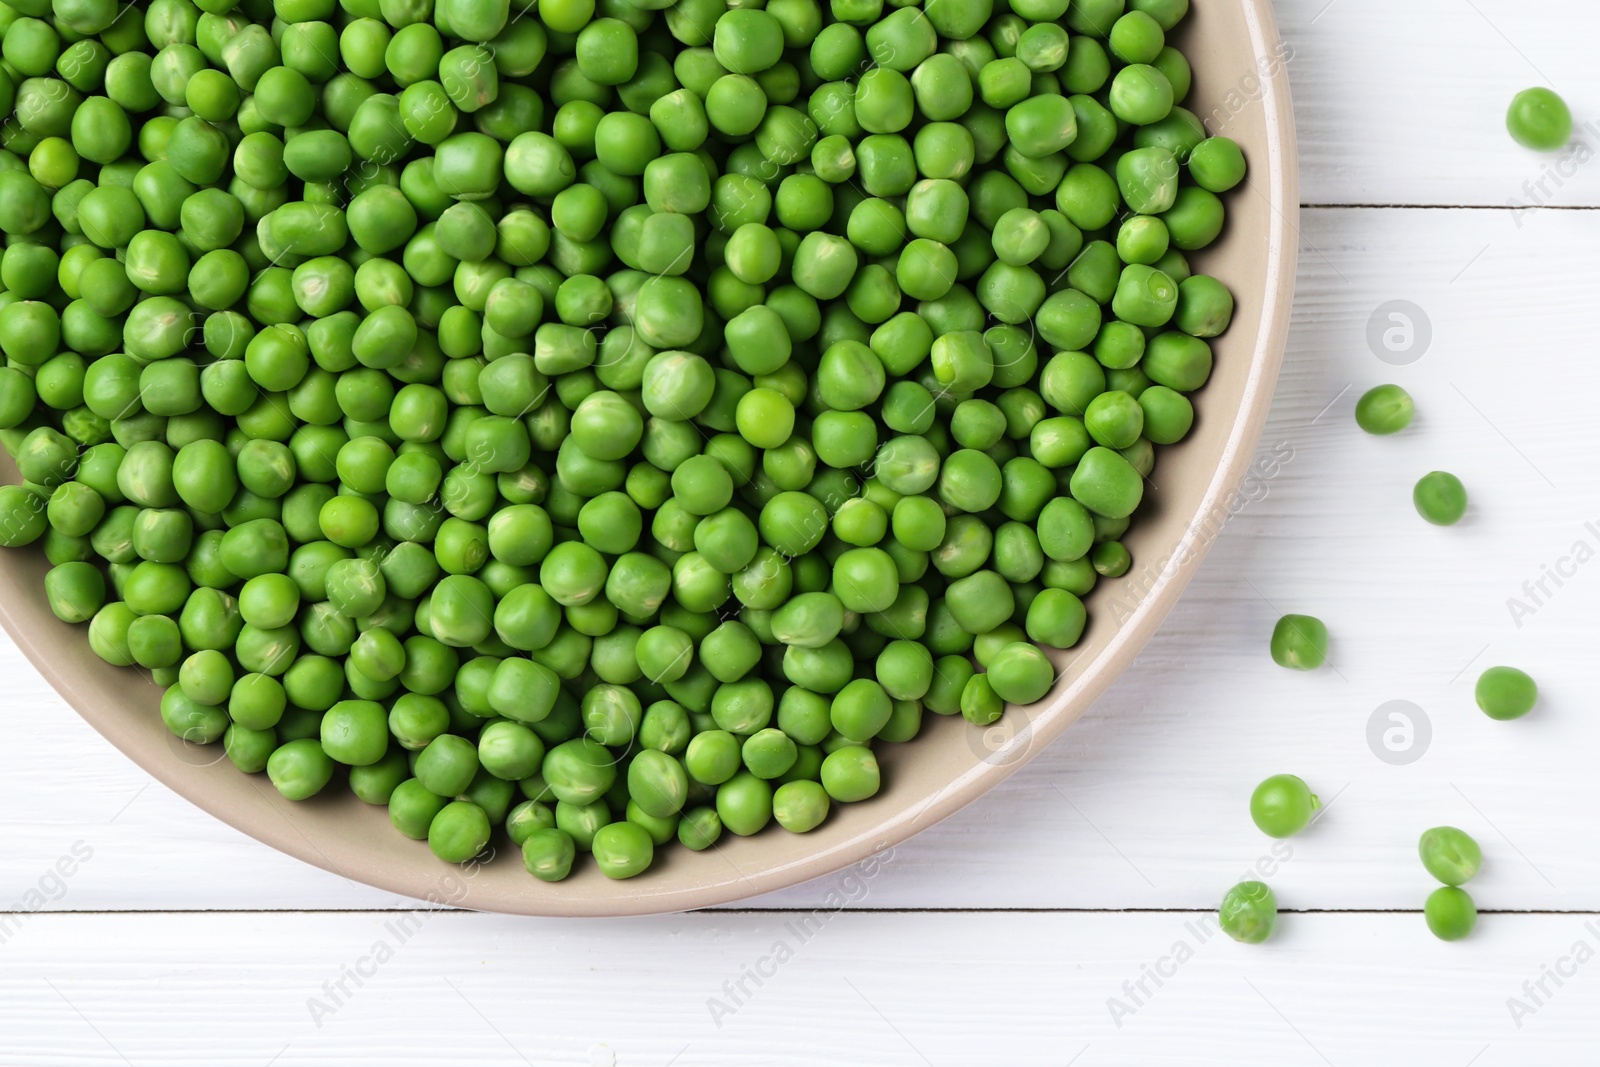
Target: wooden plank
{"points": [[709, 989], [1143, 804]]}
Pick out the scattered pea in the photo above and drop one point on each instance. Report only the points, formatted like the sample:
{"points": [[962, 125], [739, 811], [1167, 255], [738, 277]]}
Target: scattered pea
{"points": [[1384, 409], [1450, 855], [1539, 119], [1450, 913], [1283, 805], [1300, 642], [1440, 498], [1249, 912], [1506, 693]]}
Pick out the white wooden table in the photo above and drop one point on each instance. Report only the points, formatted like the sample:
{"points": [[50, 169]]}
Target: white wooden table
{"points": [[1063, 918]]}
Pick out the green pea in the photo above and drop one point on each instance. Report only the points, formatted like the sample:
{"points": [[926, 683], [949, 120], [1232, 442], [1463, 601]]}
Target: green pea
{"points": [[549, 853], [300, 769], [850, 774], [1249, 912], [658, 783], [1300, 642], [1217, 164], [1283, 805], [800, 806], [579, 771], [355, 732], [744, 804], [1384, 409], [622, 850], [1450, 913], [1195, 220], [459, 831], [1440, 498], [1539, 119], [412, 808], [1506, 693], [1450, 855], [1106, 484]]}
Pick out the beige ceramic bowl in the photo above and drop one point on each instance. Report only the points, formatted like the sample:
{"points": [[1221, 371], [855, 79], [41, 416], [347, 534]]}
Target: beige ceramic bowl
{"points": [[1241, 90]]}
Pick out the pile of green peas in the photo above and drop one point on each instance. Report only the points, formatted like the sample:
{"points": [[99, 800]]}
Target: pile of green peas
{"points": [[605, 420]]}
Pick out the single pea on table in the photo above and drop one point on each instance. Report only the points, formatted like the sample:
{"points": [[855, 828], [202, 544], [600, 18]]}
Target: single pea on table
{"points": [[1539, 119], [1249, 912], [1440, 498], [1506, 693], [1300, 642], [1384, 410], [1283, 805], [604, 425]]}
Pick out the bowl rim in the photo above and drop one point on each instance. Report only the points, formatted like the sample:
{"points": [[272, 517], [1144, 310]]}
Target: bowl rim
{"points": [[1277, 181]]}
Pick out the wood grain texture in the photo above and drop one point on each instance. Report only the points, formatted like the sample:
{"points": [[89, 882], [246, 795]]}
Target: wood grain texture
{"points": [[913, 990]]}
